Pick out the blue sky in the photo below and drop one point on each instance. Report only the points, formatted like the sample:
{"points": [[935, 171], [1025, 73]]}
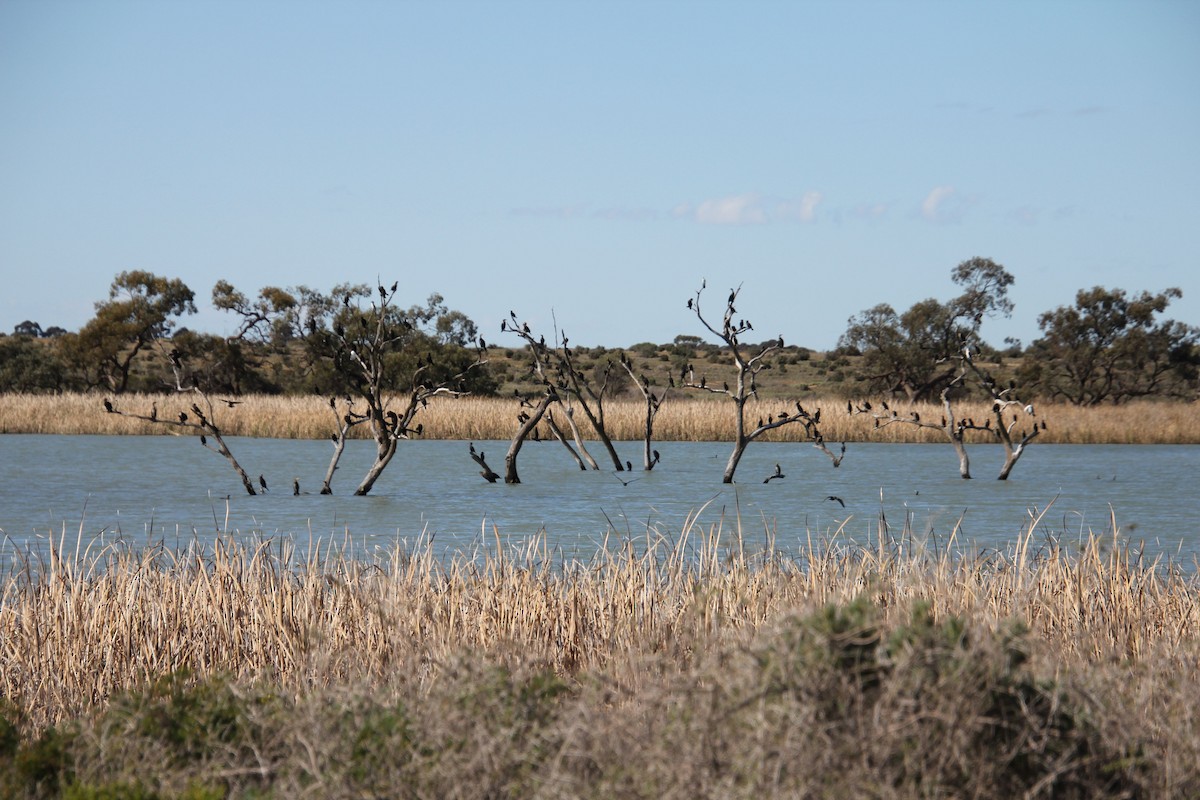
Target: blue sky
{"points": [[594, 161]]}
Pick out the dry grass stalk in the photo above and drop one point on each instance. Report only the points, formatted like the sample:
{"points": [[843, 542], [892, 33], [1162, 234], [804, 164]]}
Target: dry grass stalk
{"points": [[680, 419], [87, 620]]}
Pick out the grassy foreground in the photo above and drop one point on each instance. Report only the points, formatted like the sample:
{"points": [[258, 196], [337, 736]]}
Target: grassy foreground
{"points": [[681, 418], [671, 668]]}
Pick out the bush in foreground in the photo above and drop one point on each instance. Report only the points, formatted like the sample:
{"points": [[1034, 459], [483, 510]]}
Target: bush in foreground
{"points": [[829, 704]]}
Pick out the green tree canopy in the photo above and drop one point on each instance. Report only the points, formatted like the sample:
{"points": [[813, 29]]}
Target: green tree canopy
{"points": [[913, 353], [141, 307], [1111, 347]]}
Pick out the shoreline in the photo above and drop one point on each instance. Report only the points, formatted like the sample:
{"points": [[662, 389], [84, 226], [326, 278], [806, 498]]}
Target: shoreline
{"points": [[679, 419]]}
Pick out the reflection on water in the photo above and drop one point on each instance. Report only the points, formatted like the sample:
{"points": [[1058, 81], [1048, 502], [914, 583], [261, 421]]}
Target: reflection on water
{"points": [[172, 489]]}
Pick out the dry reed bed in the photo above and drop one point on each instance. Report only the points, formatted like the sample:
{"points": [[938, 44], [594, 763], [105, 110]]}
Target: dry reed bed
{"points": [[88, 620], [680, 419]]}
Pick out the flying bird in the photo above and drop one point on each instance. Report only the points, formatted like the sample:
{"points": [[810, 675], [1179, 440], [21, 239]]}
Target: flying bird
{"points": [[835, 497]]}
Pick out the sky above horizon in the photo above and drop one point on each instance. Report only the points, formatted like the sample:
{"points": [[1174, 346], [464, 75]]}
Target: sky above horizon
{"points": [[591, 163]]}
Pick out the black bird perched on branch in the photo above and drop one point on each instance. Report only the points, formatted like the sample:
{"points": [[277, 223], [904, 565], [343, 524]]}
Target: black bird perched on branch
{"points": [[183, 416], [838, 499], [108, 406], [263, 483], [778, 474], [204, 440]]}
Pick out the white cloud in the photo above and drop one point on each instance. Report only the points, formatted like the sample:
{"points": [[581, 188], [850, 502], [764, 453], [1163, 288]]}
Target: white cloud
{"points": [[738, 209], [932, 207], [802, 210]]}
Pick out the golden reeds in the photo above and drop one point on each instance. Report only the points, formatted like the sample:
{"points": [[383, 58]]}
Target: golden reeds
{"points": [[681, 418], [84, 620]]}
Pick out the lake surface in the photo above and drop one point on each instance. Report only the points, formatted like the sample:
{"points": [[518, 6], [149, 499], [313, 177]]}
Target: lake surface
{"points": [[147, 489]]}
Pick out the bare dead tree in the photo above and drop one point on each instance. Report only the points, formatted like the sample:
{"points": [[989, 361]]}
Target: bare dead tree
{"points": [[561, 436], [201, 421], [343, 422], [530, 424], [650, 457], [749, 361], [363, 342], [485, 472], [554, 364], [1001, 423]]}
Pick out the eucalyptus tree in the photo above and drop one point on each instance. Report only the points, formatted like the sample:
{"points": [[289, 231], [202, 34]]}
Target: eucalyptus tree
{"points": [[749, 362], [1112, 347], [141, 308], [913, 353]]}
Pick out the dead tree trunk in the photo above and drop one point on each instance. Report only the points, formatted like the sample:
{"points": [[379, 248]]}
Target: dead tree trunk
{"points": [[202, 423], [650, 457], [343, 425], [746, 382], [485, 471], [1003, 401], [510, 458], [955, 429], [562, 438], [554, 366], [568, 413], [362, 343]]}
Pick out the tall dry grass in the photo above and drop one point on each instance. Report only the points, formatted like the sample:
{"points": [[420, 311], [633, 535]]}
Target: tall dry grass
{"points": [[681, 418], [687, 666], [87, 619]]}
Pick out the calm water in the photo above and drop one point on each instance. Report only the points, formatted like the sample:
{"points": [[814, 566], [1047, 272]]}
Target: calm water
{"points": [[152, 488]]}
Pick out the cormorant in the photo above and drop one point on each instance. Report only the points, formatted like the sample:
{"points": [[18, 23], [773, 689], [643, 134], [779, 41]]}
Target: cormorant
{"points": [[296, 481], [263, 483], [108, 406], [183, 416], [835, 497], [204, 440]]}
